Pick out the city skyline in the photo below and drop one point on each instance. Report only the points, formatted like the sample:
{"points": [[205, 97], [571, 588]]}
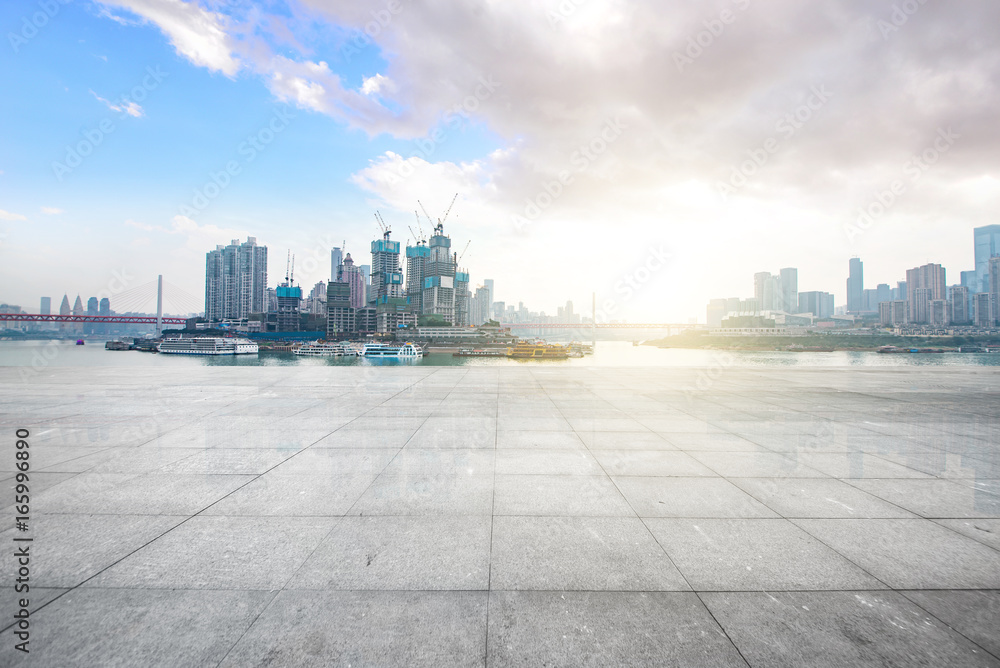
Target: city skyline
{"points": [[148, 132]]}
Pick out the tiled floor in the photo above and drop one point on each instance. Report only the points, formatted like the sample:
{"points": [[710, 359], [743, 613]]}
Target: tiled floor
{"points": [[507, 516]]}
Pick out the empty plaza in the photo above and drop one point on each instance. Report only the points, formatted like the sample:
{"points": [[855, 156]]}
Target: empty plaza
{"points": [[505, 516]]}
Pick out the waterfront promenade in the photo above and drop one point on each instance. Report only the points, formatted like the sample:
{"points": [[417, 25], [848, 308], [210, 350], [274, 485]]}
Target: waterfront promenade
{"points": [[505, 516]]}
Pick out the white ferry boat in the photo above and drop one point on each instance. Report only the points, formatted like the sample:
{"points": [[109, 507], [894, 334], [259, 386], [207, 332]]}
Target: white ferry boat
{"points": [[208, 345], [318, 349], [405, 351]]}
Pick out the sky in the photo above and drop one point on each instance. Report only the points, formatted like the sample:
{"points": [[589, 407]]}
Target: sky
{"points": [[655, 154]]}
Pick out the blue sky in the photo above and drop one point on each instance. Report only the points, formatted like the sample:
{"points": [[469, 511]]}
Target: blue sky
{"points": [[536, 83]]}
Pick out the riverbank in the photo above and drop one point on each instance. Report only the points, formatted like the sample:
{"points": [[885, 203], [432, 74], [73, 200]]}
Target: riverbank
{"points": [[824, 342]]}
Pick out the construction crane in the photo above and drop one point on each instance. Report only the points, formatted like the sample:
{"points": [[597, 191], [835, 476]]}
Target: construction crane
{"points": [[386, 231], [416, 239], [418, 224], [291, 276], [449, 209], [463, 252], [288, 260], [429, 219]]}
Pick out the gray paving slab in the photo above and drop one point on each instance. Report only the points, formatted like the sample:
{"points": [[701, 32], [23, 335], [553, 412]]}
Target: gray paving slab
{"points": [[934, 498], [548, 440], [579, 553], [911, 554], [427, 494], [220, 553], [411, 552], [127, 494], [137, 627], [536, 628], [836, 629], [975, 614], [295, 495], [559, 495], [986, 531], [689, 497], [817, 497], [754, 554], [651, 463], [546, 462], [367, 628]]}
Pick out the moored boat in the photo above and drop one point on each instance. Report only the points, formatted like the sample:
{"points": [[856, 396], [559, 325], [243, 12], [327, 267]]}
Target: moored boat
{"points": [[208, 345], [389, 350]]}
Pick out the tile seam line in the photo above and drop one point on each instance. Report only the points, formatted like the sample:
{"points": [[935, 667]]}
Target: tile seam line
{"points": [[663, 550]]}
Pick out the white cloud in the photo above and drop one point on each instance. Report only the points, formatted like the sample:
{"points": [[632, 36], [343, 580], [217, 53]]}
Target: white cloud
{"points": [[123, 107], [7, 215], [546, 89], [197, 34], [52, 211]]}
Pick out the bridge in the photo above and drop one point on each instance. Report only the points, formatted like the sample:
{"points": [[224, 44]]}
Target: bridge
{"points": [[130, 319]]}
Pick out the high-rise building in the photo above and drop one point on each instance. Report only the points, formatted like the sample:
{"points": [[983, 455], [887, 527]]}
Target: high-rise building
{"points": [[65, 310], [960, 305], [235, 280], [77, 310], [760, 281], [920, 305], [104, 308], [439, 277], [481, 303], [893, 313], [462, 298], [366, 275], [500, 311], [416, 264], [789, 290], [317, 299], [715, 312], [820, 304], [340, 315], [855, 285], [336, 260], [289, 307], [488, 284], [92, 309], [987, 245], [387, 279], [45, 309], [351, 274], [939, 312], [928, 277], [984, 309]]}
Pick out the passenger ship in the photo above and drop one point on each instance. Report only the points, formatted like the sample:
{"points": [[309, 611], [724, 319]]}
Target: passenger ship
{"points": [[319, 349], [208, 345], [405, 351]]}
